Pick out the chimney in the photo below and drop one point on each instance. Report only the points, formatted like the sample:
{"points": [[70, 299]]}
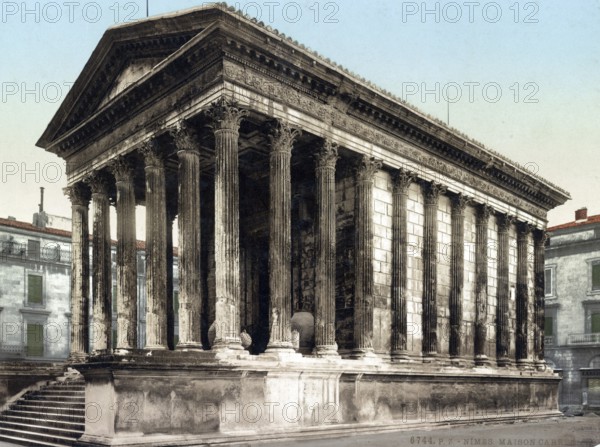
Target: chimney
{"points": [[41, 205], [581, 214]]}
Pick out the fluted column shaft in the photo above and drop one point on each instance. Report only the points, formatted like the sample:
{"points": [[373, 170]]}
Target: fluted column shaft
{"points": [[171, 214], [402, 181], [481, 282], [156, 248], [503, 292], [127, 312], [190, 290], [101, 263], [280, 238], [80, 270], [538, 260], [325, 252], [523, 230], [226, 122], [363, 252], [430, 231], [457, 273]]}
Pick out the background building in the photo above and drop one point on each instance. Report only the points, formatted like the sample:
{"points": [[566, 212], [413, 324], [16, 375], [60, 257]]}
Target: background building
{"points": [[572, 293], [35, 278]]}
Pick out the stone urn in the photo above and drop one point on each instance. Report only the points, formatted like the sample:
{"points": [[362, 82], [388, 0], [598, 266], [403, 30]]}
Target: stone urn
{"points": [[304, 323]]}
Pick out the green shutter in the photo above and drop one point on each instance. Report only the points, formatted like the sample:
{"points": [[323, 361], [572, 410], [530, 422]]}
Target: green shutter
{"points": [[34, 289], [596, 323], [35, 340], [595, 276], [548, 326]]}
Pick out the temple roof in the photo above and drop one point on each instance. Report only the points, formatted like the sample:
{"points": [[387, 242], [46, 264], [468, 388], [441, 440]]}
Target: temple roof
{"points": [[128, 54]]}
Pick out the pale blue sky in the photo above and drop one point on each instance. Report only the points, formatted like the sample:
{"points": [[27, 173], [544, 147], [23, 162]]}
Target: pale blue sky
{"points": [[547, 52]]}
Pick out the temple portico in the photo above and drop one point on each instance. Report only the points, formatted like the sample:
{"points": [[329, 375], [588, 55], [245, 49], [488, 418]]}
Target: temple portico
{"points": [[336, 247]]}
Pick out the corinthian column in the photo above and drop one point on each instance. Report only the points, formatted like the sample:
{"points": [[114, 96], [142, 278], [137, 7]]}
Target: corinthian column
{"points": [[79, 195], [156, 247], [430, 343], [523, 231], [503, 292], [325, 248], [481, 283], [457, 273], [538, 261], [402, 180], [126, 256], [190, 290], [226, 123], [363, 265], [280, 239], [101, 262]]}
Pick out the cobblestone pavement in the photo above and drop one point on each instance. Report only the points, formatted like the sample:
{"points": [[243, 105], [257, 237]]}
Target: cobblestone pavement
{"points": [[560, 432]]}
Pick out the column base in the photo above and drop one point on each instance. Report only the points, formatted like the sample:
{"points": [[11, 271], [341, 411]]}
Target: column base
{"points": [[458, 361], [189, 346], [77, 357], [482, 360], [524, 364], [327, 351], [400, 356], [429, 357], [155, 348], [365, 355], [503, 362]]}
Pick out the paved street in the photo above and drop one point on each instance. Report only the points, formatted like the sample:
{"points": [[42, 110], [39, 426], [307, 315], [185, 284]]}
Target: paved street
{"points": [[572, 432]]}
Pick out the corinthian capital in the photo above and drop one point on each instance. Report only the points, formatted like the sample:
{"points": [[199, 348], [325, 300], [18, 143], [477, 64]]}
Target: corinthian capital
{"points": [[327, 155], [402, 179], [283, 137], [150, 150], [459, 203], [504, 222], [225, 114], [432, 191], [122, 169], [184, 137], [98, 181], [367, 168], [78, 193]]}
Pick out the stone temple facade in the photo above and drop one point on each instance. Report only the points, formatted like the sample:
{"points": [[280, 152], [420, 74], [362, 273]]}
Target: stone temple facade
{"points": [[407, 258]]}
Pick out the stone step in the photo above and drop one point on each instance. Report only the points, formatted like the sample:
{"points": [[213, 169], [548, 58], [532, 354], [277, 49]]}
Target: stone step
{"points": [[55, 397], [24, 441], [41, 429], [53, 415], [49, 421], [32, 436], [66, 416], [37, 406]]}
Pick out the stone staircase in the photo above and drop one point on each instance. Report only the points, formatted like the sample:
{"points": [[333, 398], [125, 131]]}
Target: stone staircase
{"points": [[53, 415]]}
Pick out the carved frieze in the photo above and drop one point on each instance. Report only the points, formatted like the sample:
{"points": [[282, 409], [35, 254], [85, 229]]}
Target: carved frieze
{"points": [[332, 116]]}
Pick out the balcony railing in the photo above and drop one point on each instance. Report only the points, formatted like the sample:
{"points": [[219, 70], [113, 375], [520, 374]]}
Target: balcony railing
{"points": [[549, 341], [583, 339]]}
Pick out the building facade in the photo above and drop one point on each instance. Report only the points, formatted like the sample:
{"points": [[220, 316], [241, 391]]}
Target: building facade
{"points": [[35, 301], [304, 197], [572, 320]]}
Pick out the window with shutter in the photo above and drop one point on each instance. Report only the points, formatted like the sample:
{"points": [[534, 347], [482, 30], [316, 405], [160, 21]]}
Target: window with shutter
{"points": [[548, 326], [35, 340], [34, 289], [595, 276], [548, 282], [596, 323]]}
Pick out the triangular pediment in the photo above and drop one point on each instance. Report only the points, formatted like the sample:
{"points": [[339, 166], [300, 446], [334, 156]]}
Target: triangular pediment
{"points": [[133, 71], [124, 55]]}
